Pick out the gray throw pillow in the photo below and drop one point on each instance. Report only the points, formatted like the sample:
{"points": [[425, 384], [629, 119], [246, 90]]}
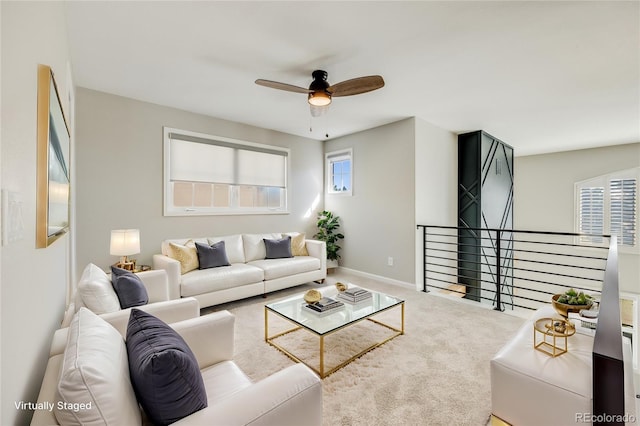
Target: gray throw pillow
{"points": [[129, 288], [278, 249], [164, 371], [212, 256]]}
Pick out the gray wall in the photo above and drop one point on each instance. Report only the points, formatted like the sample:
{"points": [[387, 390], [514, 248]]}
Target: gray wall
{"points": [[405, 174], [544, 193], [119, 177], [378, 220], [33, 281]]}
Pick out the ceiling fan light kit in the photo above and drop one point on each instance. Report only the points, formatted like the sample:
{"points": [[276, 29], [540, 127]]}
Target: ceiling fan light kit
{"points": [[319, 98], [318, 90]]}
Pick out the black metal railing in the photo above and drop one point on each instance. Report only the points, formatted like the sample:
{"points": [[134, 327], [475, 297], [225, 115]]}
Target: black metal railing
{"points": [[511, 269]]}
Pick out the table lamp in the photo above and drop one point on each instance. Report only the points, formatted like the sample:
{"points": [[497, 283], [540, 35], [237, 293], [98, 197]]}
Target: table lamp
{"points": [[125, 242]]}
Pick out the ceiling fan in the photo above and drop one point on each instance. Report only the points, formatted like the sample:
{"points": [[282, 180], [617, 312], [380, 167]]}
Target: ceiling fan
{"points": [[320, 91]]}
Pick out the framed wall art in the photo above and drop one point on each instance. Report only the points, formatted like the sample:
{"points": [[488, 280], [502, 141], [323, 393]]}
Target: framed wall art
{"points": [[53, 183]]}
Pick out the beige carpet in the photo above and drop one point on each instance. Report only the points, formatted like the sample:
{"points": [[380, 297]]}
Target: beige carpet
{"points": [[435, 374]]}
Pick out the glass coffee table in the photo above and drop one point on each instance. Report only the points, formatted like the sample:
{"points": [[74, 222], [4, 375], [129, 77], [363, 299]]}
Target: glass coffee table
{"points": [[324, 324]]}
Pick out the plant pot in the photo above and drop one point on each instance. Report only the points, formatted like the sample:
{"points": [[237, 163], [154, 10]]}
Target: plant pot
{"points": [[563, 309]]}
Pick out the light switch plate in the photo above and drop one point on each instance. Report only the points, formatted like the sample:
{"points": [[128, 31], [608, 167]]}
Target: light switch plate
{"points": [[12, 221]]}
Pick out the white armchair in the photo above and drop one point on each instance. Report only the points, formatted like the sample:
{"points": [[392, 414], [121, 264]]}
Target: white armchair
{"points": [[292, 396], [96, 293]]}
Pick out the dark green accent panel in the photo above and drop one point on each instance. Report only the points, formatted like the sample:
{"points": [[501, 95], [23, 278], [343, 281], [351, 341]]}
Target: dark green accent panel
{"points": [[485, 200]]}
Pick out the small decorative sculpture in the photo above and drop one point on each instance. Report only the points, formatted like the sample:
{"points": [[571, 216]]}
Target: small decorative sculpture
{"points": [[312, 296], [341, 286]]}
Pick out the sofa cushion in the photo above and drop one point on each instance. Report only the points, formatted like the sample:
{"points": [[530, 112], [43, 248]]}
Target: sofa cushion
{"points": [[185, 254], [232, 245], [164, 371], [278, 249], [208, 280], [96, 291], [212, 256], [254, 248], [298, 243], [278, 268], [95, 372], [130, 290]]}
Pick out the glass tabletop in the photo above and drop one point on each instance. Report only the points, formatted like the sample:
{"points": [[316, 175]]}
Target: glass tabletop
{"points": [[293, 308]]}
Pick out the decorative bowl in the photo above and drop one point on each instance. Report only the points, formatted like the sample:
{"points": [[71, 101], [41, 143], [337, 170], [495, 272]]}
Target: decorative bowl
{"points": [[564, 309], [341, 286], [312, 296]]}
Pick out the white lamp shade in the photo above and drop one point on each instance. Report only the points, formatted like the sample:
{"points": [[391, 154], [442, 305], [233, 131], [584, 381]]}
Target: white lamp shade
{"points": [[125, 242]]}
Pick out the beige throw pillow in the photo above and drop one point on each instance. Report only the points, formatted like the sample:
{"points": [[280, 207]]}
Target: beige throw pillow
{"points": [[186, 254], [298, 245]]}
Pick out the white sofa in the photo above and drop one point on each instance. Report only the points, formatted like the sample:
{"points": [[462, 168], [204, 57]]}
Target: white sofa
{"points": [[291, 396], [95, 292], [249, 274]]}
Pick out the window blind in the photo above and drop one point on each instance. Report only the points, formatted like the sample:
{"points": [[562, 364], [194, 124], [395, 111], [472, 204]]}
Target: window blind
{"points": [[591, 215], [623, 210], [197, 159]]}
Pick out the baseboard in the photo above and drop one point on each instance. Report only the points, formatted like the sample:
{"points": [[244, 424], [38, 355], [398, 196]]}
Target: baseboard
{"points": [[380, 278]]}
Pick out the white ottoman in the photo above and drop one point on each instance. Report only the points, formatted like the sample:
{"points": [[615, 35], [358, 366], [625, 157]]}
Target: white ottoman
{"points": [[529, 387]]}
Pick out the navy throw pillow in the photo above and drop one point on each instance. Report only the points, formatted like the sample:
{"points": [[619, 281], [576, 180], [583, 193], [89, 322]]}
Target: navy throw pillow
{"points": [[212, 256], [130, 290], [278, 249], [116, 272], [164, 371]]}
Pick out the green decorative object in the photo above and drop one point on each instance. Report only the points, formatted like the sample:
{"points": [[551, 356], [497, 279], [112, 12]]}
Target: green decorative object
{"points": [[571, 301], [328, 225]]}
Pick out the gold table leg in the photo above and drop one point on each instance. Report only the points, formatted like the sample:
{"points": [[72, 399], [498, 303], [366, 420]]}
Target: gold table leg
{"points": [[322, 357]]}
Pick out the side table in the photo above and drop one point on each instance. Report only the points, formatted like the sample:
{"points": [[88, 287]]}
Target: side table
{"points": [[557, 330]]}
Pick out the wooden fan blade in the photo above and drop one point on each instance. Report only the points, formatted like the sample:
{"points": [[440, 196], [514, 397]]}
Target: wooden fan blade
{"points": [[282, 86], [356, 86]]}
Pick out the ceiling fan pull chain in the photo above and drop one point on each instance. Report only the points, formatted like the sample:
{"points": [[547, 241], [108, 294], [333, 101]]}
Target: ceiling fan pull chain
{"points": [[326, 126]]}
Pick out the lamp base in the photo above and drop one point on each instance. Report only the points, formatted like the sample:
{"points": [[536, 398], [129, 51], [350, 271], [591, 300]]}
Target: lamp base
{"points": [[128, 264]]}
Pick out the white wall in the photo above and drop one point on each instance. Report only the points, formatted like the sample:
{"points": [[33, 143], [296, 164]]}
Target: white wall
{"points": [[119, 176], [33, 281], [436, 176], [544, 193]]}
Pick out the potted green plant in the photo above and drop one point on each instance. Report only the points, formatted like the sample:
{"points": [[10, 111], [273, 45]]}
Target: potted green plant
{"points": [[328, 225]]}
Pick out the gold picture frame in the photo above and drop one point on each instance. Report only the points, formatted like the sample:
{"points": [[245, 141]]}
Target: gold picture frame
{"points": [[53, 145]]}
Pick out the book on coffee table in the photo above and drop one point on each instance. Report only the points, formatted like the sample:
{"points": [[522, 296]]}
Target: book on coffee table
{"points": [[325, 304], [354, 295]]}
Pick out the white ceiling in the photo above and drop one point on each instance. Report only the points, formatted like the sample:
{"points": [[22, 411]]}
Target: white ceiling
{"points": [[542, 76]]}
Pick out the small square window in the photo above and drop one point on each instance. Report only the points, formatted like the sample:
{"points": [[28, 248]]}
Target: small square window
{"points": [[339, 172]]}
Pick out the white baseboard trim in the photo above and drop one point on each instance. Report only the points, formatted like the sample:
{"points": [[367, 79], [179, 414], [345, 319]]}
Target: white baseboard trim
{"points": [[380, 278]]}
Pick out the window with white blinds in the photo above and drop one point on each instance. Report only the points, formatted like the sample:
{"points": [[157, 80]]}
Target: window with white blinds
{"points": [[206, 174], [623, 193], [591, 215], [608, 205]]}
